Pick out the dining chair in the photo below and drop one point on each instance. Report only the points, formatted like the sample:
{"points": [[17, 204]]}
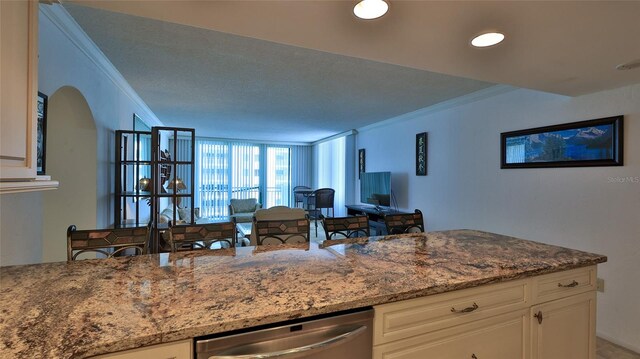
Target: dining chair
{"points": [[346, 227], [280, 231], [322, 199], [404, 222], [298, 197], [202, 236], [108, 242], [274, 213]]}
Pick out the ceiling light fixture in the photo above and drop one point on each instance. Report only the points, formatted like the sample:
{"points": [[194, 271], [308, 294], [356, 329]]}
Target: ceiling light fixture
{"points": [[370, 9], [487, 39]]}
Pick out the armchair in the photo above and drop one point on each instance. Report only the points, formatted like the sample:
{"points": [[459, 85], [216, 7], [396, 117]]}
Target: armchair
{"points": [[242, 210]]}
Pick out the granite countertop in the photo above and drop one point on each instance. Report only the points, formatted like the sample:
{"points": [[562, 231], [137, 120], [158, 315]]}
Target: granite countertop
{"points": [[85, 308]]}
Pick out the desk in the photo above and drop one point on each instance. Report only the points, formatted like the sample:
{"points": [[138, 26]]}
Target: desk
{"points": [[376, 216]]}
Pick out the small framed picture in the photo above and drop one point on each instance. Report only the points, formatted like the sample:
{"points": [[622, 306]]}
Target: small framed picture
{"points": [[421, 154], [361, 161], [41, 139]]}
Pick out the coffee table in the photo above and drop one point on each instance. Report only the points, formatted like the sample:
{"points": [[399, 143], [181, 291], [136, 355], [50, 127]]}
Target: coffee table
{"points": [[244, 229]]}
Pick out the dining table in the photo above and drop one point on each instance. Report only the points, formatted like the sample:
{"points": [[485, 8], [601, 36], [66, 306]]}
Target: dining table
{"points": [[307, 197]]}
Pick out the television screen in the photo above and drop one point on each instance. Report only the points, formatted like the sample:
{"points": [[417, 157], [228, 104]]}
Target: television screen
{"points": [[375, 188]]}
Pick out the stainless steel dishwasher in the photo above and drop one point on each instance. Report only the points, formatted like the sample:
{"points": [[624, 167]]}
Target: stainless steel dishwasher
{"points": [[338, 336]]}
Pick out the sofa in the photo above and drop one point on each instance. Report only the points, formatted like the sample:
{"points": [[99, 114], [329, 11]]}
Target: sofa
{"points": [[184, 215]]}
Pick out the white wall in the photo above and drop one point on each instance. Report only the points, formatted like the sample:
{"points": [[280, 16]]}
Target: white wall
{"points": [[20, 228], [67, 62], [583, 208], [72, 133]]}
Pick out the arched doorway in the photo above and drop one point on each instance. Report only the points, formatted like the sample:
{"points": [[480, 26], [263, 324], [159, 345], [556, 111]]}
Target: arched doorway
{"points": [[72, 159]]}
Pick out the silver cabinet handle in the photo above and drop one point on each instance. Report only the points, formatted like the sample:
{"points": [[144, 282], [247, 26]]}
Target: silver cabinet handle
{"points": [[570, 285], [465, 310], [296, 352]]}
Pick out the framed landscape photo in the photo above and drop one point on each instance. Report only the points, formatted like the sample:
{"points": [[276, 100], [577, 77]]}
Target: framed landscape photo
{"points": [[41, 139], [577, 144], [361, 162], [421, 154]]}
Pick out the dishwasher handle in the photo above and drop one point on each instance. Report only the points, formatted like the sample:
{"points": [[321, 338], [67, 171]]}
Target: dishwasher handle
{"points": [[306, 349]]}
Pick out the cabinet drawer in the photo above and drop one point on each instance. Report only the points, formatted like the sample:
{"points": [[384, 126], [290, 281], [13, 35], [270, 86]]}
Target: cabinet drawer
{"points": [[501, 337], [175, 350], [563, 284], [409, 318]]}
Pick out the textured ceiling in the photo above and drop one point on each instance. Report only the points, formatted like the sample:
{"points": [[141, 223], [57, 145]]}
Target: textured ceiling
{"points": [[564, 47], [231, 86]]}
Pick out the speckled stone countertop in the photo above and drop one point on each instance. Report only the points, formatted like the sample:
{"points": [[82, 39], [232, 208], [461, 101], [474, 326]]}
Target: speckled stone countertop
{"points": [[84, 308]]}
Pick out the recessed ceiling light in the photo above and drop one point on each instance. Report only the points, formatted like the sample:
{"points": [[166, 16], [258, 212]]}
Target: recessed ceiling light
{"points": [[370, 9], [487, 39]]}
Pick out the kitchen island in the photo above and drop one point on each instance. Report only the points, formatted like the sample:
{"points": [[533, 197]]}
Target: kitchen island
{"points": [[91, 307]]}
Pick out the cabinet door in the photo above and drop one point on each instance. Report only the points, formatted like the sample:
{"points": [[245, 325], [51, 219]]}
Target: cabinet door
{"points": [[564, 328], [18, 88], [175, 350], [500, 337]]}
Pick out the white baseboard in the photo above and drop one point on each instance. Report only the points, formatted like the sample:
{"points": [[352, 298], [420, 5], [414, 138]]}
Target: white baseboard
{"points": [[633, 347]]}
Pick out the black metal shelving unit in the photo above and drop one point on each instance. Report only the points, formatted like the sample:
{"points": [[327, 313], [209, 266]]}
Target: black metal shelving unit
{"points": [[155, 175]]}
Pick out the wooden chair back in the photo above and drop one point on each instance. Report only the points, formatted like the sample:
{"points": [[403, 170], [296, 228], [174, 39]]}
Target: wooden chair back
{"points": [[404, 223], [274, 213], [202, 236], [346, 227], [280, 231], [109, 242]]}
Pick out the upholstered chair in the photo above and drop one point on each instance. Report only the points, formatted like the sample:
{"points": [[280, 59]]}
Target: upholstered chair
{"points": [[242, 210]]}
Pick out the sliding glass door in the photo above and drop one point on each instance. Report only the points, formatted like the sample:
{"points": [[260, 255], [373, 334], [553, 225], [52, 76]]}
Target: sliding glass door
{"points": [[212, 178], [245, 171], [278, 176], [226, 170]]}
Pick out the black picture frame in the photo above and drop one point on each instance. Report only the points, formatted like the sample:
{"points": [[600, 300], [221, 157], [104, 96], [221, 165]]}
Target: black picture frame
{"points": [[41, 136], [361, 162], [421, 153], [601, 137]]}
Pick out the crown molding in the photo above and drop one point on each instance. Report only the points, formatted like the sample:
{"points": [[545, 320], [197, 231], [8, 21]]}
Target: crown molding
{"points": [[333, 137], [445, 105], [70, 28], [257, 142]]}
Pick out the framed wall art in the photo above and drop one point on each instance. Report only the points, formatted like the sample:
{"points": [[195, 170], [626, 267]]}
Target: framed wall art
{"points": [[41, 139], [577, 144], [361, 162], [421, 154]]}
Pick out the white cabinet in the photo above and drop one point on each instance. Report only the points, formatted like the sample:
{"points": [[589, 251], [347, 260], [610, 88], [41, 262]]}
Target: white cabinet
{"points": [[494, 321], [19, 87], [499, 337], [18, 91], [176, 350], [565, 328]]}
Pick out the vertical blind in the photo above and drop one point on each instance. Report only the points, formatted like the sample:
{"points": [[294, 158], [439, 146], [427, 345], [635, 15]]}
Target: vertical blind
{"points": [[330, 170], [212, 178], [232, 169]]}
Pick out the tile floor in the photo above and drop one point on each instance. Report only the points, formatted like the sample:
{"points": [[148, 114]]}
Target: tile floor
{"points": [[608, 350]]}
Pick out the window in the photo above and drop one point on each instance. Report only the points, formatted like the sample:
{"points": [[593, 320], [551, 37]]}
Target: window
{"points": [[278, 176], [227, 169]]}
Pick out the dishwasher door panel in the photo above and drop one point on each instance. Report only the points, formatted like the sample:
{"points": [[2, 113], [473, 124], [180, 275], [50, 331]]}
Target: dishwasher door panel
{"points": [[341, 336]]}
